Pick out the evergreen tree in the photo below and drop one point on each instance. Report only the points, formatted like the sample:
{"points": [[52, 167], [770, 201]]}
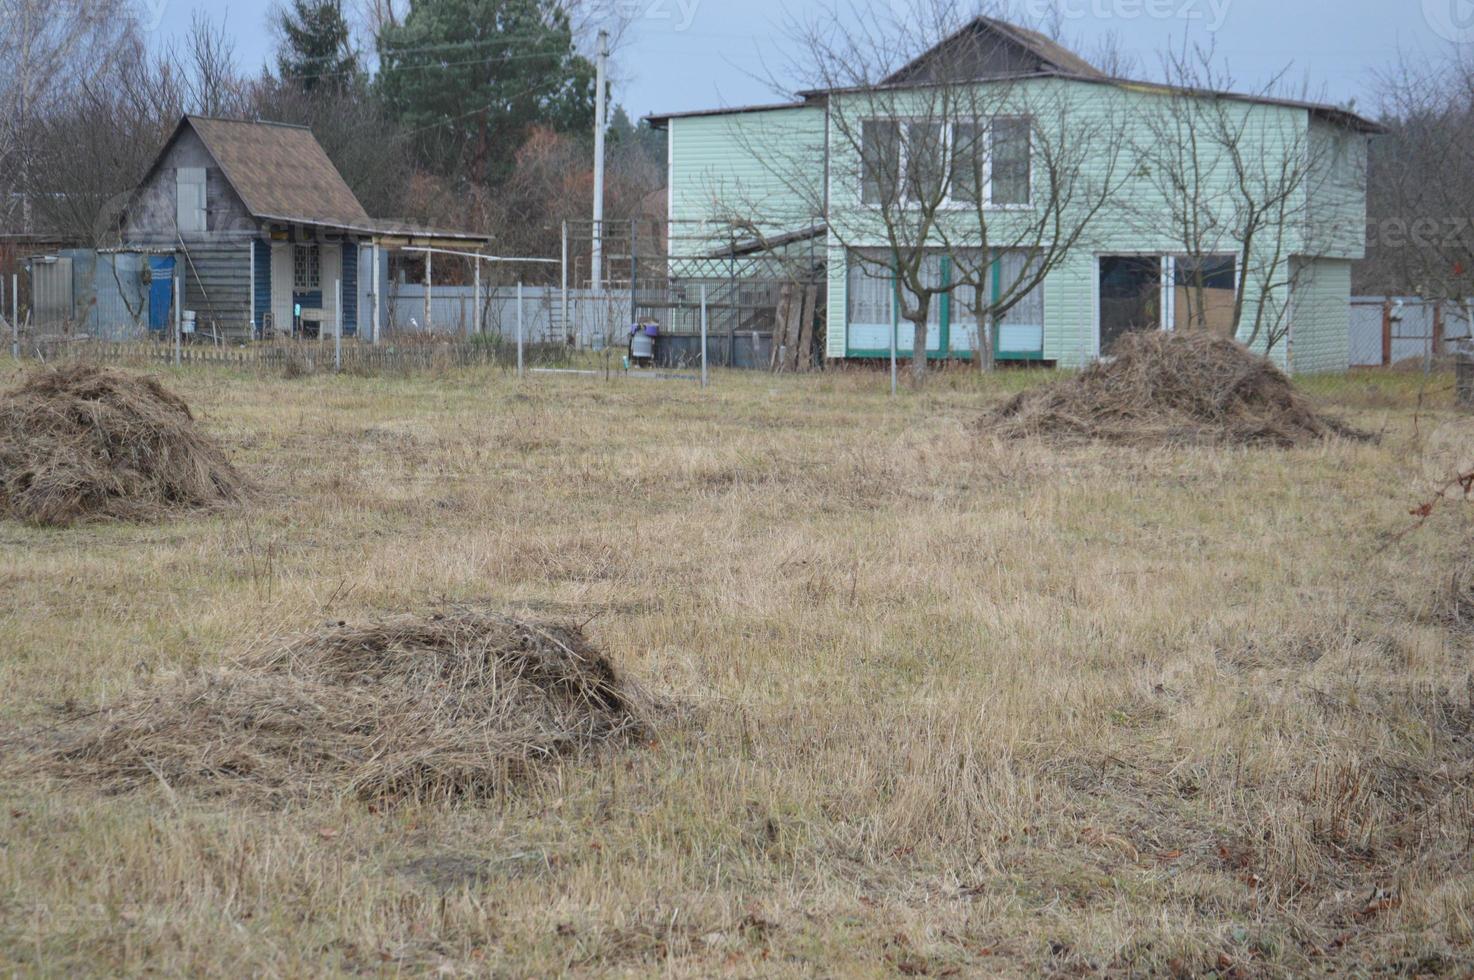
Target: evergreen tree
{"points": [[316, 48], [473, 77]]}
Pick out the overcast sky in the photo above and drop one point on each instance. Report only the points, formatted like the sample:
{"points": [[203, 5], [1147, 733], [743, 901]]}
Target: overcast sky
{"points": [[696, 54]]}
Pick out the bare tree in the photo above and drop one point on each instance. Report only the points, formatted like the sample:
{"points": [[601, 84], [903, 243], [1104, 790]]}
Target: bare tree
{"points": [[1235, 183], [215, 87], [49, 49], [1422, 188], [96, 146], [943, 175]]}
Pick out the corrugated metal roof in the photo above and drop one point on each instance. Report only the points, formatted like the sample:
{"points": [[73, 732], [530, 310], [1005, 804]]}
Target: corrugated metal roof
{"points": [[280, 171]]}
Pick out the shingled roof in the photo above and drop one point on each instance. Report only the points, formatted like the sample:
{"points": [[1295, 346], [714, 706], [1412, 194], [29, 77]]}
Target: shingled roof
{"points": [[281, 172]]}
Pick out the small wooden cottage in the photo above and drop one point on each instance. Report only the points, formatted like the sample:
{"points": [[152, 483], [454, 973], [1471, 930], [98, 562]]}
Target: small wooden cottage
{"points": [[263, 232]]}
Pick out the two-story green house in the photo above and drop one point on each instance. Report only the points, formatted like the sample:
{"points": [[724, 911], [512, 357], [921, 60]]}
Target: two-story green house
{"points": [[1049, 208]]}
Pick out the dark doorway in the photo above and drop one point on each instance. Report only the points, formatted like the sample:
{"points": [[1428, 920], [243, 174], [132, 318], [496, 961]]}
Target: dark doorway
{"points": [[1130, 297]]}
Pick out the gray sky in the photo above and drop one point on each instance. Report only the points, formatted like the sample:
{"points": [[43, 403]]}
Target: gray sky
{"points": [[695, 54]]}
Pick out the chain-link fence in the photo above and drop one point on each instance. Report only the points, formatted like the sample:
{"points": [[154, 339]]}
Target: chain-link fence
{"points": [[1390, 331]]}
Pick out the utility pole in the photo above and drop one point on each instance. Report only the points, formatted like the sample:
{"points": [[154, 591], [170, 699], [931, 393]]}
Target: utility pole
{"points": [[601, 126]]}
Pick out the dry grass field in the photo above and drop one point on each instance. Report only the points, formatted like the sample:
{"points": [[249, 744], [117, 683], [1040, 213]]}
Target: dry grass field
{"points": [[930, 704]]}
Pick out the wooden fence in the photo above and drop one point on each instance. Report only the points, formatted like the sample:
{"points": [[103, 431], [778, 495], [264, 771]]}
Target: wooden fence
{"points": [[289, 359]]}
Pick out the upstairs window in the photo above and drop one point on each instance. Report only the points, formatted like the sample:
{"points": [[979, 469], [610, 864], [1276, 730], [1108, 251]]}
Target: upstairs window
{"points": [[1012, 166], [952, 164], [881, 161], [969, 163], [926, 162], [191, 215]]}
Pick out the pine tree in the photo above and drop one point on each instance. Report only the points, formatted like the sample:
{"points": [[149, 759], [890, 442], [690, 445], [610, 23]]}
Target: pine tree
{"points": [[473, 77], [316, 47]]}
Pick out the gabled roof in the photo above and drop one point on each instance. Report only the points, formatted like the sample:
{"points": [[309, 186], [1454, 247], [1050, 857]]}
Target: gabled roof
{"points": [[987, 47], [281, 172], [991, 50]]}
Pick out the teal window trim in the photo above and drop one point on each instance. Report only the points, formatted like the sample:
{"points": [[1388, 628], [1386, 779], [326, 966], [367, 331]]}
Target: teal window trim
{"points": [[946, 338], [944, 351], [995, 329], [856, 354]]}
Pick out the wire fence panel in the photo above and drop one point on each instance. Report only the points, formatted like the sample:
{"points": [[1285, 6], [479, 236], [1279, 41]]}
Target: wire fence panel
{"points": [[594, 321], [1388, 331], [1366, 334]]}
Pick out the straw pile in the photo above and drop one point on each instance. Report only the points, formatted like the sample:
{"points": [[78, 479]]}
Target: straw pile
{"points": [[453, 706], [80, 443], [1171, 388]]}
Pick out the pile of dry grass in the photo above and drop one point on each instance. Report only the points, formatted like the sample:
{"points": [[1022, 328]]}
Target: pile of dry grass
{"points": [[80, 443], [454, 706], [1165, 388]]}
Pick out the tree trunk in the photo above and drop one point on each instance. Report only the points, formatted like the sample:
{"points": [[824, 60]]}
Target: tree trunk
{"points": [[987, 356], [918, 349]]}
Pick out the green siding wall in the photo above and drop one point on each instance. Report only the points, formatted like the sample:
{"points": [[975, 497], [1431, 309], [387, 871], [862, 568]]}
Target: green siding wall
{"points": [[768, 165], [750, 164], [1321, 330], [1337, 220]]}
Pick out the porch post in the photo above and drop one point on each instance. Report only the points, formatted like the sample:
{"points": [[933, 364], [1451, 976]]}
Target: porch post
{"points": [[375, 250]]}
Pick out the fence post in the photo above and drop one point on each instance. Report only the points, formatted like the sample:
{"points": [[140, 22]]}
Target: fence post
{"points": [[15, 313], [705, 380], [429, 285], [1387, 334], [338, 331], [476, 299], [178, 316], [577, 334], [519, 330]]}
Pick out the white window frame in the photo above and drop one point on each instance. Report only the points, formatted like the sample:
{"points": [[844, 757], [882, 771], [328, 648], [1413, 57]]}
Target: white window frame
{"points": [[948, 142]]}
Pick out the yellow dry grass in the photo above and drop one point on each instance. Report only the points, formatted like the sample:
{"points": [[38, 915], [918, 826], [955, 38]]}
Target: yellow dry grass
{"points": [[952, 706]]}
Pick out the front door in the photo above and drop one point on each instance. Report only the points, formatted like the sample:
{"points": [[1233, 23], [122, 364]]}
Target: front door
{"points": [[160, 292], [1130, 297]]}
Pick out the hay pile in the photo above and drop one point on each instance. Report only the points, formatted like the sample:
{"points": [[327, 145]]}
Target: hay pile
{"points": [[1171, 388], [454, 706], [80, 443]]}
